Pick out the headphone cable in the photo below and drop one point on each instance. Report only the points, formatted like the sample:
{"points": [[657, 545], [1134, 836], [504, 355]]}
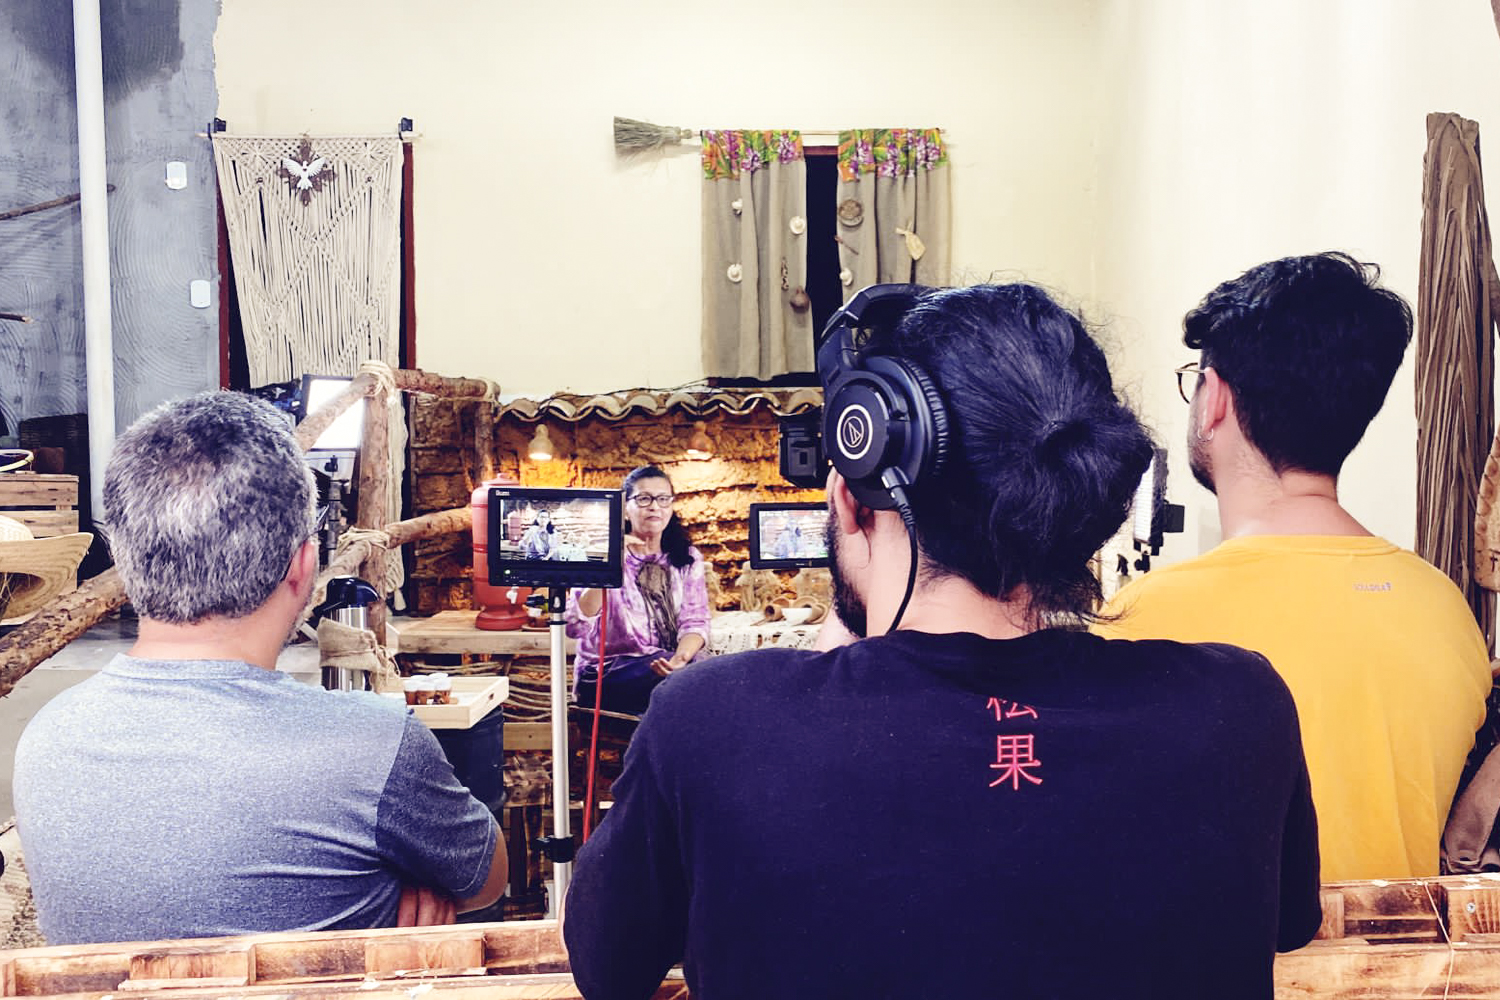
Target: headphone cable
{"points": [[903, 506]]}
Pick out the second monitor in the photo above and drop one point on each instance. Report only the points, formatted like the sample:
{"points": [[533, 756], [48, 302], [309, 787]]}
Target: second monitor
{"points": [[788, 535]]}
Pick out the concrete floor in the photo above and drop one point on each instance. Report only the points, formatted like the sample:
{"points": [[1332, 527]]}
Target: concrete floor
{"points": [[78, 661]]}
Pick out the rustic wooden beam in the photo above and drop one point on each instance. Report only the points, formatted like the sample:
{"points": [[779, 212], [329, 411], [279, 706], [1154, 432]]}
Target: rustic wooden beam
{"points": [[416, 380], [62, 621]]}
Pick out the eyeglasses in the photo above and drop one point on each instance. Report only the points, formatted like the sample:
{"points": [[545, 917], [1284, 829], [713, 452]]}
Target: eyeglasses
{"points": [[1191, 368], [646, 499]]}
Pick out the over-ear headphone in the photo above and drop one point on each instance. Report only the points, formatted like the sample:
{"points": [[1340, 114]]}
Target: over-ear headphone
{"points": [[884, 422]]}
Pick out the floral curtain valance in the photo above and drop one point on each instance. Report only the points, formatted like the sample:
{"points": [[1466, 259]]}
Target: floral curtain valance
{"points": [[729, 152], [889, 152], [894, 213]]}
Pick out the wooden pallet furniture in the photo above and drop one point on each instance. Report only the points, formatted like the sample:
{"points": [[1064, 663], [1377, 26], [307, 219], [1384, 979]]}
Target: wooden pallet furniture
{"points": [[1379, 941], [47, 504], [512, 961]]}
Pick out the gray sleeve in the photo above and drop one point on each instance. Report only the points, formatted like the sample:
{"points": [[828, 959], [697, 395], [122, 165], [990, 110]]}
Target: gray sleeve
{"points": [[428, 825]]}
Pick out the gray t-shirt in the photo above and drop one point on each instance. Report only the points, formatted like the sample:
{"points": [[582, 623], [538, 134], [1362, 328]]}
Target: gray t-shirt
{"points": [[193, 798]]}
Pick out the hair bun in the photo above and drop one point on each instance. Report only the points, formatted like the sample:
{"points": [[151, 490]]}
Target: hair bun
{"points": [[1055, 435]]}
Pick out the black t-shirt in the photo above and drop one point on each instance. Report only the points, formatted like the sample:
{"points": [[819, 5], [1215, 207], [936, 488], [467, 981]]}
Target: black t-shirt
{"points": [[946, 815]]}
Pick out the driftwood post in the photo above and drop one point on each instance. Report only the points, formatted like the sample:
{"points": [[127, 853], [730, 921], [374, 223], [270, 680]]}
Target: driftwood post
{"points": [[374, 496]]}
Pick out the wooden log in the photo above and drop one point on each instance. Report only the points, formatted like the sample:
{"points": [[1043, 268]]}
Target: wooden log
{"points": [[484, 441], [322, 418], [359, 552], [416, 380], [60, 623], [441, 522], [374, 497]]}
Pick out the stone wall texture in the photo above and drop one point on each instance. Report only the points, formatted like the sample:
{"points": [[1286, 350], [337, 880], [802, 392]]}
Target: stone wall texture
{"points": [[714, 494]]}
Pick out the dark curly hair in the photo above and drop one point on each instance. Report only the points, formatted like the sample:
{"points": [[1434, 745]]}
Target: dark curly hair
{"points": [[1043, 457], [1309, 346]]}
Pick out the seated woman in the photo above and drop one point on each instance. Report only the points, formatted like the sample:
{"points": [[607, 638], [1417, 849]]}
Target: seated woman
{"points": [[658, 620], [537, 543]]}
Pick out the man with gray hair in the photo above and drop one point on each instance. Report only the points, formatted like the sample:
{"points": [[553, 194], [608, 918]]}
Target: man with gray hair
{"points": [[189, 789]]}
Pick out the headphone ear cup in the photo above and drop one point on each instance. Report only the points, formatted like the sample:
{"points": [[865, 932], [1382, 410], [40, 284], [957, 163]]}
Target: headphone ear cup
{"points": [[934, 401]]}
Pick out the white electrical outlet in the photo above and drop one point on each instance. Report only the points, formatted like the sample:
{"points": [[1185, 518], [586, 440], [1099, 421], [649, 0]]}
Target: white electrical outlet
{"points": [[176, 175], [200, 294]]}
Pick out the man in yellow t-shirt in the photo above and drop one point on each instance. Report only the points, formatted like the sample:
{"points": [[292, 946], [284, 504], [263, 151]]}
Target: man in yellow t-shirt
{"points": [[1379, 649]]}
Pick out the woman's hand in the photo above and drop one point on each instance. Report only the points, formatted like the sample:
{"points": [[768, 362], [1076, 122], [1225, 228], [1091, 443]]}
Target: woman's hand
{"points": [[664, 665]]}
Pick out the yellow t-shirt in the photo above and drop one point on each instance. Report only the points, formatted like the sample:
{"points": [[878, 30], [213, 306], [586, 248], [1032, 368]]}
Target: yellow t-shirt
{"points": [[1385, 663]]}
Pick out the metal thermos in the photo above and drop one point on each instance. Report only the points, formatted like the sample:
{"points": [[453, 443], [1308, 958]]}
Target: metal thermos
{"points": [[348, 599]]}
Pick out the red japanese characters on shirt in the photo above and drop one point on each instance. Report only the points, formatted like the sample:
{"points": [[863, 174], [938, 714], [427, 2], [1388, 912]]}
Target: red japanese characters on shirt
{"points": [[1015, 753]]}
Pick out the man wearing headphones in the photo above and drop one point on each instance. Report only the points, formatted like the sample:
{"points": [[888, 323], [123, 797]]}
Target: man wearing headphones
{"points": [[951, 805]]}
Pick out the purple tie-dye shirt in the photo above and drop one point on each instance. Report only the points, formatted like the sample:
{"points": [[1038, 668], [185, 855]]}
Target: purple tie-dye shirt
{"points": [[630, 627]]}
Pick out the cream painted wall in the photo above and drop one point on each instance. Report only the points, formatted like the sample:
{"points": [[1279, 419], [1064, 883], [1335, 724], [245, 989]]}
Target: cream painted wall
{"points": [[546, 262], [1237, 133]]}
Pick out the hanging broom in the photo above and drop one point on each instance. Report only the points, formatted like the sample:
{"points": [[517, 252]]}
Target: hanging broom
{"points": [[632, 136]]}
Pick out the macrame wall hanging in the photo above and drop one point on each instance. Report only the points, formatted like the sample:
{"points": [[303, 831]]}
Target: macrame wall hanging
{"points": [[314, 233], [314, 237]]}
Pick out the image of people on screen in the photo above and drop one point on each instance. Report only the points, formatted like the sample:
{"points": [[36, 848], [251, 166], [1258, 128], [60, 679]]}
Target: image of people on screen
{"points": [[555, 530], [794, 535]]}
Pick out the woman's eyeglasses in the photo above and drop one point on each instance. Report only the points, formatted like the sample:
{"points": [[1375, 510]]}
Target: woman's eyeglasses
{"points": [[1181, 371], [647, 500]]}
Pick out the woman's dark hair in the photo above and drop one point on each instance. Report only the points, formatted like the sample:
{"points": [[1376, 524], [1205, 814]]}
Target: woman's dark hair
{"points": [[674, 537], [1043, 458]]}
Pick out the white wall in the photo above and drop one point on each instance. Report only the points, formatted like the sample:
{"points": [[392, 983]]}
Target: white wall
{"points": [[1133, 153], [549, 264], [1237, 133]]}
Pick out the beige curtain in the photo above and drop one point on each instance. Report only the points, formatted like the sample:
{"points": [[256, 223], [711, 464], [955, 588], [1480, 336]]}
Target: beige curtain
{"points": [[1455, 359], [757, 320], [894, 208]]}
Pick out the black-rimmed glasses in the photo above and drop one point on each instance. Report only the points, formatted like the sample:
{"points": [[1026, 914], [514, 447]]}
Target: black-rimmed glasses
{"points": [[646, 499], [1191, 368]]}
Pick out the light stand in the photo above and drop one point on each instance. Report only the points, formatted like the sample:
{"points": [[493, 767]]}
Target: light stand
{"points": [[559, 847], [562, 822]]}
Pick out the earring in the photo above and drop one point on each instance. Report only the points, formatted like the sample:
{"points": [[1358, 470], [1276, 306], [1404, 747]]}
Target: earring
{"points": [[1203, 439]]}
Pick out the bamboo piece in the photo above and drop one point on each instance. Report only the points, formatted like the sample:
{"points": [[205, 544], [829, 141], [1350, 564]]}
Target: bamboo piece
{"points": [[374, 498]]}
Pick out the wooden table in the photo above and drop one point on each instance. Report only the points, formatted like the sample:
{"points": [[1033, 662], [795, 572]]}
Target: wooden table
{"points": [[454, 632]]}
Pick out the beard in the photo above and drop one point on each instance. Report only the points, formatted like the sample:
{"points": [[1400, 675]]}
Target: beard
{"points": [[847, 604], [1198, 460]]}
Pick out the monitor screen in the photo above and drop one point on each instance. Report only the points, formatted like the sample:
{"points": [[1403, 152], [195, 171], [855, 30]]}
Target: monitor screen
{"points": [[788, 535], [554, 537], [347, 432]]}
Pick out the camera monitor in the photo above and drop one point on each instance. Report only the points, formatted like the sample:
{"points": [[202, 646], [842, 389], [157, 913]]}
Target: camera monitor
{"points": [[554, 537], [788, 535]]}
